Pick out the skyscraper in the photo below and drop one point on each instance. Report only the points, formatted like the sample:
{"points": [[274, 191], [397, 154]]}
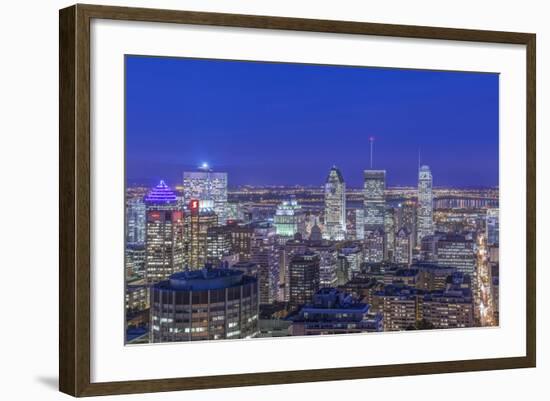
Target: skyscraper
{"points": [[492, 226], [199, 220], [207, 185], [374, 246], [135, 221], [335, 205], [304, 278], [403, 247], [425, 204], [289, 219], [164, 238], [264, 254], [374, 200]]}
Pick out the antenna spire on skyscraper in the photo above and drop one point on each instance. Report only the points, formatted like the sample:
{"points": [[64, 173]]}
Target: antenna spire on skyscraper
{"points": [[371, 140]]}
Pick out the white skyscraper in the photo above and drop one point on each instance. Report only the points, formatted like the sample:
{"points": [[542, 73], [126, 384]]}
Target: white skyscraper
{"points": [[425, 223], [335, 206], [206, 185]]}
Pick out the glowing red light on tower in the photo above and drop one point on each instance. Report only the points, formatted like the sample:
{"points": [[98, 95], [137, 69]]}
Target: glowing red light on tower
{"points": [[194, 205]]}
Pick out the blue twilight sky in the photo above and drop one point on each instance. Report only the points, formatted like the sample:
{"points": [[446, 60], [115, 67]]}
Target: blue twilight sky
{"points": [[278, 123]]}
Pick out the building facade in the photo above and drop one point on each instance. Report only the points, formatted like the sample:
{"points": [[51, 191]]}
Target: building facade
{"points": [[264, 254], [206, 304], [164, 239], [335, 206], [373, 199], [304, 278], [492, 226], [289, 219], [135, 221], [425, 204], [207, 185]]}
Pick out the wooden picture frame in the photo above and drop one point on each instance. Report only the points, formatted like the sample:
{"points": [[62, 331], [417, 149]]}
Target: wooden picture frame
{"points": [[74, 199]]}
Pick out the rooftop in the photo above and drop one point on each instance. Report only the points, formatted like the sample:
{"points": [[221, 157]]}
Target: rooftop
{"points": [[207, 278], [161, 194]]}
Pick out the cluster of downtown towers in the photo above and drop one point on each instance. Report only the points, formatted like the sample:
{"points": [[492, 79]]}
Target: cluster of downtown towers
{"points": [[199, 267]]}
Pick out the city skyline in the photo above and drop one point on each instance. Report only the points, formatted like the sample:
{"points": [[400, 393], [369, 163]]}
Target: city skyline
{"points": [[169, 103], [321, 241]]}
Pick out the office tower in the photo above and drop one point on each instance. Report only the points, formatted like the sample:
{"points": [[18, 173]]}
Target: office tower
{"points": [[205, 304], [135, 221], [403, 247], [335, 206], [355, 221], [218, 245], [289, 219], [389, 233], [353, 255], [399, 306], [492, 226], [374, 246], [199, 220], [425, 224], [405, 216], [264, 254], [334, 312], [286, 253], [448, 309], [456, 251], [327, 261], [207, 185], [303, 278], [164, 234], [134, 255], [374, 199]]}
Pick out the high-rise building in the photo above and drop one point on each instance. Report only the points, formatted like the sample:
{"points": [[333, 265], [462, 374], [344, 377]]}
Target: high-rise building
{"points": [[335, 206], [199, 220], [403, 247], [456, 251], [205, 304], [135, 221], [425, 222], [353, 256], [389, 233], [289, 219], [492, 226], [264, 254], [374, 246], [327, 261], [218, 244], [374, 200], [135, 261], [207, 185], [405, 216], [303, 278], [164, 239], [355, 224]]}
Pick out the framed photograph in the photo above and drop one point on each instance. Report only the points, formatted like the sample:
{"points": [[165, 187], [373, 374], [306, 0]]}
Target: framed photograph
{"points": [[250, 200]]}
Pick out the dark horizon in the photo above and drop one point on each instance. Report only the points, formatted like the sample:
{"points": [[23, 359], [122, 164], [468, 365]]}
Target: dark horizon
{"points": [[287, 124]]}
